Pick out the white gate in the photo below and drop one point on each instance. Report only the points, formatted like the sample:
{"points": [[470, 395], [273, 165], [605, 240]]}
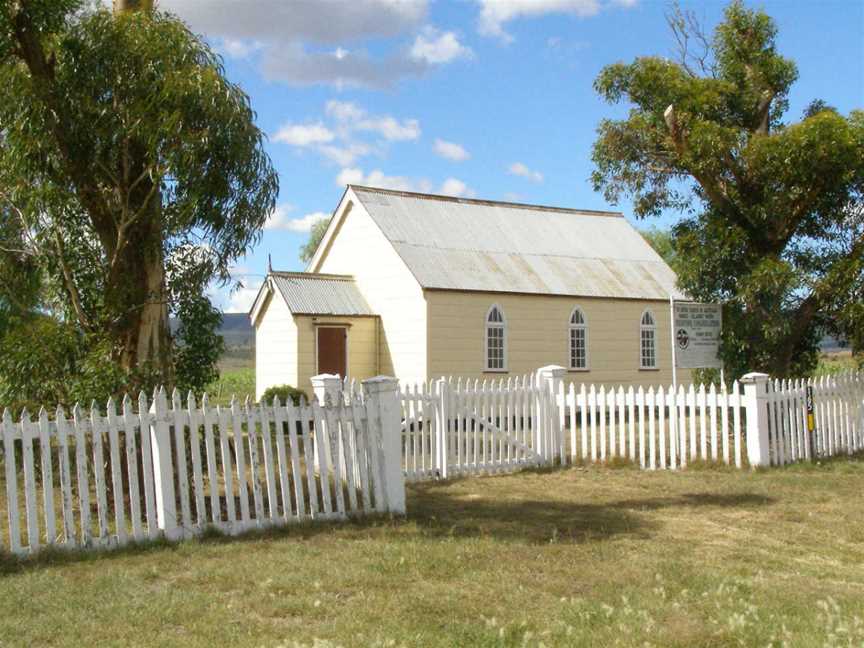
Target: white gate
{"points": [[467, 427]]}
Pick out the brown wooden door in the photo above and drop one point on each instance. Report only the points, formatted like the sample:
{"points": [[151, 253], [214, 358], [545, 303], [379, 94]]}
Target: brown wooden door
{"points": [[332, 348]]}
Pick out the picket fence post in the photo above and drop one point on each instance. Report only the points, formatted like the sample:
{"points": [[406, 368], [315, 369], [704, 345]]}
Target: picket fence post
{"points": [[443, 427], [163, 470], [385, 427], [551, 422], [755, 404]]}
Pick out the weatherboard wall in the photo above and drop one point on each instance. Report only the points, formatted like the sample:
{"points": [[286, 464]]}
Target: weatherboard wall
{"points": [[275, 346], [362, 347], [537, 329], [359, 248]]}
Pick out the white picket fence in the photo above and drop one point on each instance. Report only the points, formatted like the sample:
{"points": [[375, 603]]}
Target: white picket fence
{"points": [[655, 428], [455, 427], [105, 479], [838, 417]]}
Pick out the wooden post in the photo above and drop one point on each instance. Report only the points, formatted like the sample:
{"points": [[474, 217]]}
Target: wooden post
{"points": [[442, 430], [755, 403], [385, 427], [163, 470], [551, 421]]}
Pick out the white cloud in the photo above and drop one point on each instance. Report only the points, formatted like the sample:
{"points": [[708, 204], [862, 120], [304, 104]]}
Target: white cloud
{"points": [[305, 42], [391, 129], [345, 155], [295, 64], [279, 21], [238, 49], [241, 299], [279, 216], [455, 187], [279, 220], [378, 178], [340, 139], [519, 169], [304, 134], [450, 150], [437, 47], [352, 117], [495, 13], [344, 111]]}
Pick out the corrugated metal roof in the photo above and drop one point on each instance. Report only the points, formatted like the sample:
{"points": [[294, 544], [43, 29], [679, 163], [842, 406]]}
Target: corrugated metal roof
{"points": [[320, 294], [463, 244]]}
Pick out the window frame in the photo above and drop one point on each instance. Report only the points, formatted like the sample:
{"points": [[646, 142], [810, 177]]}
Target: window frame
{"points": [[643, 328], [502, 325], [571, 327]]}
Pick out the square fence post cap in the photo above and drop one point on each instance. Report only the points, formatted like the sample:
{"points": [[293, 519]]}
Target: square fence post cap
{"points": [[325, 378], [380, 384], [754, 378], [552, 371]]}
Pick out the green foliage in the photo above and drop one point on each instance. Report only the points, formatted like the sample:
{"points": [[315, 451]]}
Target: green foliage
{"points": [[284, 393], [774, 212], [132, 176], [200, 344], [315, 235], [663, 243], [44, 362]]}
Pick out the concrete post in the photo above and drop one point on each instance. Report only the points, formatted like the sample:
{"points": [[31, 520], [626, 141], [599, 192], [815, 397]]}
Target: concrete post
{"points": [[551, 427], [163, 469], [385, 428], [328, 390], [755, 403], [324, 385]]}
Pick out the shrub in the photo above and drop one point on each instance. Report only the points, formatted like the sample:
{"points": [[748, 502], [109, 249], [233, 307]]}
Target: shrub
{"points": [[284, 392]]}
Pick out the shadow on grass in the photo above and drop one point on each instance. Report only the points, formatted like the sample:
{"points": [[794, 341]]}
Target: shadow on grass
{"points": [[48, 556], [439, 510], [440, 513]]}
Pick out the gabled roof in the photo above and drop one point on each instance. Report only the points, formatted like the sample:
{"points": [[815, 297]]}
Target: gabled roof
{"points": [[314, 294], [481, 245]]}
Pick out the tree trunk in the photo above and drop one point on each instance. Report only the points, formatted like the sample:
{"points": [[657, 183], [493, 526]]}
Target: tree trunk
{"points": [[136, 291], [132, 5], [138, 278]]}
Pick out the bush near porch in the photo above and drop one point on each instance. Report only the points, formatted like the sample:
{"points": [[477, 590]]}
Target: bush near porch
{"points": [[593, 556]]}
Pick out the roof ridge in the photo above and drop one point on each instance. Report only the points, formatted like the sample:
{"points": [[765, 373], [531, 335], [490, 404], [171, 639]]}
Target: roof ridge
{"points": [[494, 203], [310, 275]]}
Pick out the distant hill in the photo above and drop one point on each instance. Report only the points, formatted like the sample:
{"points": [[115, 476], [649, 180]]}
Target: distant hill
{"points": [[236, 329]]}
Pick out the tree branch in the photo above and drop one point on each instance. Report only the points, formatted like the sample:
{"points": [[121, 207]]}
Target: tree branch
{"points": [[74, 296]]}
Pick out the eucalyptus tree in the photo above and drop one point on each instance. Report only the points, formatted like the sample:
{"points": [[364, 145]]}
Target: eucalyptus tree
{"points": [[133, 172], [772, 209]]}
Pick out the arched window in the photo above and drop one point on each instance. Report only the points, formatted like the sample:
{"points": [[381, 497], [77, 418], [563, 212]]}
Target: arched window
{"points": [[578, 337], [647, 337], [496, 340]]}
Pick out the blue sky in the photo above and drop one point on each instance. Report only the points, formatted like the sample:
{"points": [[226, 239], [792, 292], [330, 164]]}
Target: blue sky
{"points": [[485, 98]]}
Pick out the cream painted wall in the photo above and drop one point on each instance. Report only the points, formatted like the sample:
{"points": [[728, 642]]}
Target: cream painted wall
{"points": [[362, 347], [537, 335], [275, 346], [359, 248]]}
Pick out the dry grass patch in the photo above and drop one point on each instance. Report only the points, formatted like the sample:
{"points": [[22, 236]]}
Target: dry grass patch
{"points": [[584, 556]]}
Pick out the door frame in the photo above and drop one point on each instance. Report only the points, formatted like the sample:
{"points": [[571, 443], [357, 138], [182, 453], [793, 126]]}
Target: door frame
{"points": [[344, 327]]}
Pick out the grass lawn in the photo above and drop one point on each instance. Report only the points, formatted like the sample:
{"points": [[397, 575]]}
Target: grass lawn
{"points": [[591, 556], [233, 381]]}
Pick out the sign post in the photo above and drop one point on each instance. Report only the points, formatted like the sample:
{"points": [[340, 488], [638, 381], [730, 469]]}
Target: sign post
{"points": [[811, 423], [672, 333], [695, 336]]}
